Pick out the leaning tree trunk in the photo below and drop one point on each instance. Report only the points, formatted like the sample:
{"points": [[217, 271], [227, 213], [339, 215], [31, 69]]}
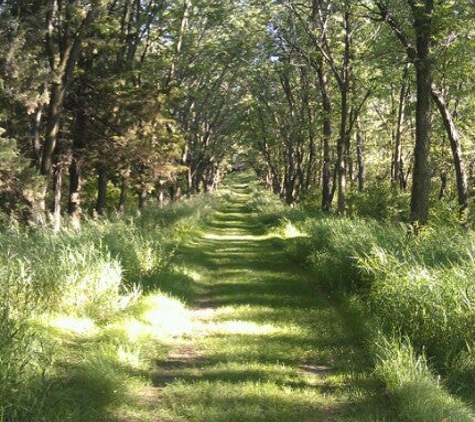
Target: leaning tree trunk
{"points": [[456, 147]]}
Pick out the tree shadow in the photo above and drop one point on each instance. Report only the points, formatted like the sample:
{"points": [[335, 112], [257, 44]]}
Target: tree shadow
{"points": [[252, 275]]}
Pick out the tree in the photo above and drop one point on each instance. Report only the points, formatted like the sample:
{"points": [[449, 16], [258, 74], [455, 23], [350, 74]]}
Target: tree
{"points": [[419, 53]]}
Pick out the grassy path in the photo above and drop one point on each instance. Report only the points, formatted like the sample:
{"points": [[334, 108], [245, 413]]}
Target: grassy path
{"points": [[263, 342]]}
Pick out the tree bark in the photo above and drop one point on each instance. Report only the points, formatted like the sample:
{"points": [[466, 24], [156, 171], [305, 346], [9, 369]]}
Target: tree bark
{"points": [[143, 194], [327, 135], [456, 147], [421, 183], [74, 203], [124, 188], [397, 174], [57, 184], [343, 141], [360, 158], [101, 190]]}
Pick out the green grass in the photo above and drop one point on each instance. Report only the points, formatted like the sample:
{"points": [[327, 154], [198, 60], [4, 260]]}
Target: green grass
{"points": [[267, 344], [403, 286], [203, 311], [83, 315]]}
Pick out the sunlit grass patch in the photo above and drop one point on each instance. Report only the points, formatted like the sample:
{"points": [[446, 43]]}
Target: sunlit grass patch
{"points": [[226, 237], [243, 327], [104, 367], [72, 324]]}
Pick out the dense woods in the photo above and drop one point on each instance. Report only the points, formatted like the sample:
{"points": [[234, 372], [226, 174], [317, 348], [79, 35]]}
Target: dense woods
{"points": [[108, 102]]}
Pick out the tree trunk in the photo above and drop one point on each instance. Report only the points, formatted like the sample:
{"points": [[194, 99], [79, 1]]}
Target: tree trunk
{"points": [[443, 185], [421, 183], [397, 174], [124, 188], [143, 194], [327, 135], [101, 190], [360, 158], [36, 141], [74, 203], [343, 141], [52, 128], [456, 147], [342, 150], [57, 184], [189, 182]]}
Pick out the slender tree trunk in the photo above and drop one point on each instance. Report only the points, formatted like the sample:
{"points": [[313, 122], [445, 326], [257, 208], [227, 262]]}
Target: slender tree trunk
{"points": [[443, 185], [456, 147], [36, 137], [327, 135], [124, 189], [360, 158], [52, 128], [343, 141], [171, 192], [143, 194], [101, 190], [74, 203], [57, 184], [342, 149], [189, 182], [397, 164]]}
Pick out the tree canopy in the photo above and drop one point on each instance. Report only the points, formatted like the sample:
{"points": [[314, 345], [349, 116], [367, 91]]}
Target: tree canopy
{"points": [[327, 101]]}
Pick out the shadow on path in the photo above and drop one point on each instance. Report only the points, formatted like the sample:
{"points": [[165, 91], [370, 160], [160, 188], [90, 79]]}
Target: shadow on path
{"points": [[267, 344]]}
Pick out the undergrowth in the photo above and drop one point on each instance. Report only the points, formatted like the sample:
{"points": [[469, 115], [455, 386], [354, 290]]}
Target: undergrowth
{"points": [[74, 306], [416, 288]]}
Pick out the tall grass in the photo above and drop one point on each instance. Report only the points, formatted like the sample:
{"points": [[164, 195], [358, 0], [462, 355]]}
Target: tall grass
{"points": [[419, 288], [92, 277]]}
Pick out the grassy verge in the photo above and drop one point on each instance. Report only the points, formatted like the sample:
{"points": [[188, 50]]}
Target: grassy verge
{"points": [[414, 288], [83, 315]]}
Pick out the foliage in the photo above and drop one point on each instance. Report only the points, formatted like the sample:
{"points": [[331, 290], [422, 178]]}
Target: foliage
{"points": [[419, 395], [380, 201], [412, 287], [57, 292]]}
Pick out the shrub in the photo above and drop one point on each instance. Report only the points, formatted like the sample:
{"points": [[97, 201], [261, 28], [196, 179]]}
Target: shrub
{"points": [[380, 200]]}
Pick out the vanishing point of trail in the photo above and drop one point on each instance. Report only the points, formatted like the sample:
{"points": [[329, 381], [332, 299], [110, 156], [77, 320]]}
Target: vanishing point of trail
{"points": [[265, 343]]}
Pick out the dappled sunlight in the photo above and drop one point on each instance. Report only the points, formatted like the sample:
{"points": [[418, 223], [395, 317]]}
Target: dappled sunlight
{"points": [[263, 342], [192, 274], [161, 317], [73, 325], [244, 327], [131, 356], [290, 231], [227, 237]]}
